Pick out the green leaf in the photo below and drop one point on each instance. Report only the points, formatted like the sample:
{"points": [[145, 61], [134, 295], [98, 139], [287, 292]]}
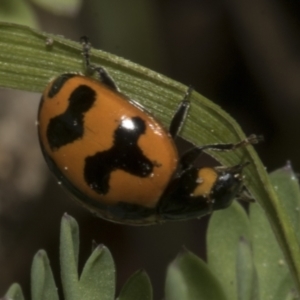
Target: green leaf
{"points": [[268, 257], [58, 7], [246, 275], [286, 184], [42, 281], [189, 278], [98, 276], [226, 228], [206, 123], [271, 264], [28, 61], [69, 249], [285, 290], [14, 293], [137, 287], [17, 11]]}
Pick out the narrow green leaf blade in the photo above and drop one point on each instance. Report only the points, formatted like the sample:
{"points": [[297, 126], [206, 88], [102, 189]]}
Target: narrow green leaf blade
{"points": [[27, 63], [14, 293], [189, 278], [97, 280], [226, 228], [137, 287], [42, 282], [69, 249]]}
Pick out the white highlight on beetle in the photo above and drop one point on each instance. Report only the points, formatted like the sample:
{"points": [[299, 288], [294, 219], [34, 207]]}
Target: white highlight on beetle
{"points": [[128, 124], [155, 129]]}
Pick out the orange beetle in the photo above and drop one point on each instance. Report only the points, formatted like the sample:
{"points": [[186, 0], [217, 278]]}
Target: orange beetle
{"points": [[119, 161]]}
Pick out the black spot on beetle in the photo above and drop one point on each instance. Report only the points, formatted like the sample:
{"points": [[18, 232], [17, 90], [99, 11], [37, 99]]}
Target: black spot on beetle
{"points": [[58, 83], [69, 126], [125, 155]]}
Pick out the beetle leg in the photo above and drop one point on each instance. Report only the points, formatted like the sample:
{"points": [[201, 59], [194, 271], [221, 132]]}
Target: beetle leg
{"points": [[104, 77], [189, 157], [180, 115]]}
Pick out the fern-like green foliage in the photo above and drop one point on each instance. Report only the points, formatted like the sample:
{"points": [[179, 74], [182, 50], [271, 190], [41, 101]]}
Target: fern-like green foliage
{"points": [[97, 280], [245, 262]]}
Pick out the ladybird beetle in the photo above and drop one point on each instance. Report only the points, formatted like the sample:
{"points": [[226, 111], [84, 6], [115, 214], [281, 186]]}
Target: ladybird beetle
{"points": [[119, 161]]}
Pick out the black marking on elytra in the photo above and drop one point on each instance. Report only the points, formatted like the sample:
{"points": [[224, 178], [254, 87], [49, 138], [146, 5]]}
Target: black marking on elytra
{"points": [[121, 212], [125, 155], [69, 126], [58, 83]]}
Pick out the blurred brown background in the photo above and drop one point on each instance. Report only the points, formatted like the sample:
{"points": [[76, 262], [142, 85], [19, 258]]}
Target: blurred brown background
{"points": [[242, 54]]}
